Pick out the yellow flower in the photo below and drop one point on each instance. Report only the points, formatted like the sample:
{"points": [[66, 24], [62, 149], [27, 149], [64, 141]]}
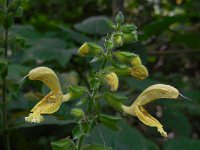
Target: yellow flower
{"points": [[152, 93], [52, 101], [112, 81]]}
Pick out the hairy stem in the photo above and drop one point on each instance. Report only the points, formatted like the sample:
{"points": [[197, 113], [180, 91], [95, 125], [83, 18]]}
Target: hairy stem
{"points": [[4, 99]]}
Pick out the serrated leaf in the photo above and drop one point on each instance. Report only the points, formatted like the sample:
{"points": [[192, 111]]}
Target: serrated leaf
{"points": [[64, 144], [94, 25]]}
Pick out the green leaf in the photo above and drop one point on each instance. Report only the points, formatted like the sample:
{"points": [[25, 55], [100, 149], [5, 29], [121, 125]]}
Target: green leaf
{"points": [[177, 122], [81, 129], [77, 91], [94, 25], [22, 70], [77, 132], [78, 37], [64, 144], [182, 144], [20, 124], [128, 138], [94, 83], [110, 121], [115, 100], [95, 147], [46, 49], [27, 32], [161, 25]]}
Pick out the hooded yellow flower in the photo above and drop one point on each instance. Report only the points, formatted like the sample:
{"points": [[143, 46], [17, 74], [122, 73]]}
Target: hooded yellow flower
{"points": [[52, 101], [152, 93]]}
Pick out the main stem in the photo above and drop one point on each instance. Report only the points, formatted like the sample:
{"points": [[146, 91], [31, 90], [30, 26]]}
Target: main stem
{"points": [[4, 110], [94, 92]]}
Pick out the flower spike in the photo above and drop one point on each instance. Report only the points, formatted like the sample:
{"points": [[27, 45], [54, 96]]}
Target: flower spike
{"points": [[152, 93]]}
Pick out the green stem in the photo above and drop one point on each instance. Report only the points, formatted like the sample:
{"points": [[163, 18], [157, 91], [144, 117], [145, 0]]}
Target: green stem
{"points": [[92, 104], [4, 99], [80, 142]]}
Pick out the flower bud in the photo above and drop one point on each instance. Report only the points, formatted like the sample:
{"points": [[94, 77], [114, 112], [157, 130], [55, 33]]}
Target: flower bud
{"points": [[140, 72], [112, 81], [136, 61], [128, 28], [126, 57], [130, 37], [77, 112], [89, 49], [121, 71], [117, 39]]}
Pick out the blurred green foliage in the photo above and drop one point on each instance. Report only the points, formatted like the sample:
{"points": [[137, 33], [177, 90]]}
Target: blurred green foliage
{"points": [[49, 34]]}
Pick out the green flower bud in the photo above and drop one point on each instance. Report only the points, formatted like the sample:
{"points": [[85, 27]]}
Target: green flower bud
{"points": [[121, 71], [125, 57], [128, 28], [130, 37], [117, 39], [89, 49], [76, 91], [77, 112]]}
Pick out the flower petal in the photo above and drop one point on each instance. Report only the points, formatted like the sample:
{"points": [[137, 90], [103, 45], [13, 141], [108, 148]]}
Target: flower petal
{"points": [[147, 119], [49, 104], [47, 76], [34, 117], [155, 92]]}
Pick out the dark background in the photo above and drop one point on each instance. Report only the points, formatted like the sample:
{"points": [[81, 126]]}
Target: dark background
{"points": [[49, 34]]}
